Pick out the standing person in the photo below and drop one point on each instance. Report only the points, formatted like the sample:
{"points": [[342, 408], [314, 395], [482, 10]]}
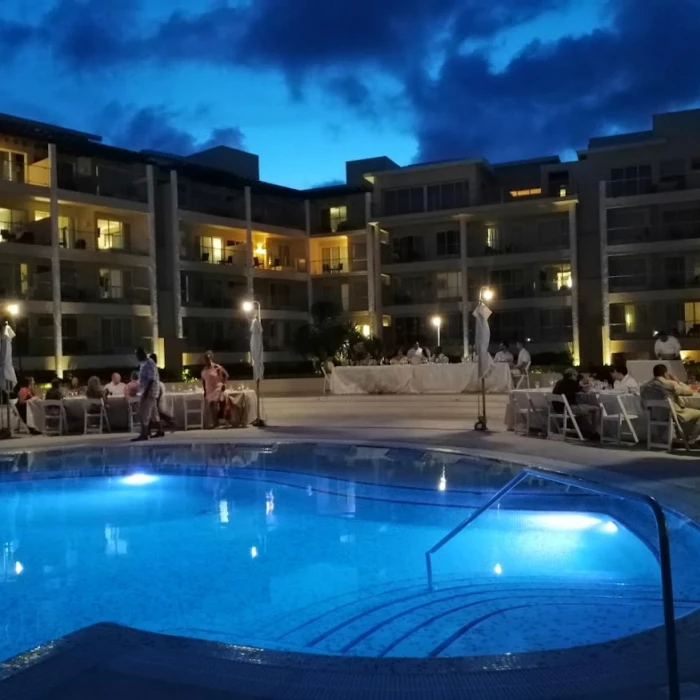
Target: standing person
{"points": [[214, 378], [162, 412], [666, 347], [148, 383]]}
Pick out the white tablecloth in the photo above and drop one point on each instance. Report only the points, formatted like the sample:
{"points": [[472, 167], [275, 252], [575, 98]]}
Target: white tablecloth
{"points": [[643, 370], [419, 379]]}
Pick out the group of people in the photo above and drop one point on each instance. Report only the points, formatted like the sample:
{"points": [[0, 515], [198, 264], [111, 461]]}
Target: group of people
{"points": [[418, 355]]}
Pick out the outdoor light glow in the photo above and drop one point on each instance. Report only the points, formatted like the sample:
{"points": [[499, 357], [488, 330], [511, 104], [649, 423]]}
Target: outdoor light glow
{"points": [[436, 321], [610, 527], [13, 309], [528, 340], [139, 479], [18, 568], [487, 294], [366, 331], [260, 249], [253, 552], [223, 511], [563, 521], [442, 484], [498, 569], [247, 306]]}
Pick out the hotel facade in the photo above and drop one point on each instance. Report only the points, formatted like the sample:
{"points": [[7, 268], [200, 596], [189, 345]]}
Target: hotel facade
{"points": [[102, 249]]}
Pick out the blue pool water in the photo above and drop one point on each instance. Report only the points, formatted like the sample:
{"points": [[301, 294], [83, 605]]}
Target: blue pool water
{"points": [[306, 562]]}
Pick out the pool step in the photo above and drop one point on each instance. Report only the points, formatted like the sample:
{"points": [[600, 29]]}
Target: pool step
{"points": [[467, 619]]}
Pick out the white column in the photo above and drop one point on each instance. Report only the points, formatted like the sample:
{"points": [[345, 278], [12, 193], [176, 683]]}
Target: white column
{"points": [[248, 240], [309, 284], [603, 230], [573, 254], [152, 275], [174, 243], [464, 284], [55, 264], [371, 284], [378, 301]]}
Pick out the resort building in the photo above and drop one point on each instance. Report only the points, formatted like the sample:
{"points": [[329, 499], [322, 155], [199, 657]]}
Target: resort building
{"points": [[102, 249]]}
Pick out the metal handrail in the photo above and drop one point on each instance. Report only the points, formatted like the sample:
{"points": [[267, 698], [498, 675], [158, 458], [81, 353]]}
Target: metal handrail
{"points": [[664, 549]]}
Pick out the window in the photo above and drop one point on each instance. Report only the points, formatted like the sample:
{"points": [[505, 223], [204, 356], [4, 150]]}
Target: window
{"points": [[278, 256], [408, 200], [628, 226], [448, 195], [674, 272], [629, 321], [111, 284], [448, 243], [532, 192], [493, 238], [695, 163], [211, 249], [336, 217], [627, 272], [509, 284], [555, 279], [449, 285], [632, 180], [630, 318], [117, 334], [555, 325], [110, 235], [12, 166], [65, 227], [12, 220], [691, 316], [407, 249]]}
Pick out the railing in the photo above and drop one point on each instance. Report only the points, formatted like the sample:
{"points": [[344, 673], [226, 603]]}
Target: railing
{"points": [[630, 187], [631, 283], [342, 227], [335, 267], [116, 186], [111, 295], [655, 234], [102, 242], [228, 255], [30, 174], [262, 262], [664, 549]]}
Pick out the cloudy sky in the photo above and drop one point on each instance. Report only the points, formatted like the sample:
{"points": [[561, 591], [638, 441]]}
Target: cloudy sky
{"points": [[308, 84]]}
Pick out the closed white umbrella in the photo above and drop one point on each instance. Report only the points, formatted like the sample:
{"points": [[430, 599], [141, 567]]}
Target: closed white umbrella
{"points": [[256, 356], [8, 377], [482, 340]]}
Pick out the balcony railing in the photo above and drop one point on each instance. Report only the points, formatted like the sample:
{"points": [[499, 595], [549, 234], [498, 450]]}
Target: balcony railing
{"points": [[118, 187], [342, 227], [649, 234], [112, 295], [26, 232], [262, 262], [634, 282], [228, 255], [631, 187], [100, 242], [31, 174], [278, 214], [338, 267], [34, 292], [213, 301], [479, 245]]}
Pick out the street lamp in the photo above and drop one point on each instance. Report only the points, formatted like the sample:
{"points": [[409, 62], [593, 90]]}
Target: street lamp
{"points": [[486, 294], [437, 322], [249, 305]]}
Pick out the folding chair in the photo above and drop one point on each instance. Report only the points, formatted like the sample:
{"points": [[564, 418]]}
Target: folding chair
{"points": [[622, 417], [134, 414], [523, 378], [521, 412], [326, 378], [194, 412], [15, 418], [563, 422], [669, 424], [95, 420], [54, 414]]}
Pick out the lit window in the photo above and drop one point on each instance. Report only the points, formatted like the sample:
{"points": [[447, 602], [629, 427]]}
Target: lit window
{"points": [[564, 279], [492, 237], [111, 284], [65, 227], [339, 215], [526, 193], [212, 249], [630, 318], [110, 234]]}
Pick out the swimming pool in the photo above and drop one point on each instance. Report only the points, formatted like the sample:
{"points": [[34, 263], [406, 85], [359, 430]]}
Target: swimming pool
{"points": [[322, 550]]}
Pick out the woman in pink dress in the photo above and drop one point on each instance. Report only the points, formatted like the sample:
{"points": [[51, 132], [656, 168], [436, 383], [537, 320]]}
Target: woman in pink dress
{"points": [[214, 378]]}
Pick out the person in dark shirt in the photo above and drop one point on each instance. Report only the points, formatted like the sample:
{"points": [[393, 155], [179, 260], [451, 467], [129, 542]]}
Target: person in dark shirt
{"points": [[55, 393], [569, 385]]}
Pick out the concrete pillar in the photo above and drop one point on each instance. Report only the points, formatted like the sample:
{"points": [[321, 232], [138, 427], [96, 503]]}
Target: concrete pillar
{"points": [[173, 248], [371, 278], [573, 253], [309, 284], [249, 241], [378, 301], [464, 284], [152, 275], [55, 264], [603, 230]]}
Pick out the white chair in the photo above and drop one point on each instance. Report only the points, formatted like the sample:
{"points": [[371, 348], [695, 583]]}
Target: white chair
{"points": [[326, 370], [95, 420], [662, 414], [621, 419], [194, 412], [134, 414], [561, 423], [54, 415], [522, 377]]}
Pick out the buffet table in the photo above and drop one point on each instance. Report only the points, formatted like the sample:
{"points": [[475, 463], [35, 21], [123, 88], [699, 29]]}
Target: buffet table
{"points": [[419, 379], [243, 401]]}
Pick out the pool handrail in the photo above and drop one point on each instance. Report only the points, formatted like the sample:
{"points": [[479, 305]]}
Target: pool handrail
{"points": [[584, 484]]}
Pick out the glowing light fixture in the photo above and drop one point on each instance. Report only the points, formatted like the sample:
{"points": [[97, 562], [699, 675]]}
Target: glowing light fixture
{"points": [[563, 521], [139, 479], [18, 568], [253, 552], [498, 569], [486, 294], [13, 310], [366, 331]]}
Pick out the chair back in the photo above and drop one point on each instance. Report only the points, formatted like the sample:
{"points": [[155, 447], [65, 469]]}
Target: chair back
{"points": [[54, 417]]}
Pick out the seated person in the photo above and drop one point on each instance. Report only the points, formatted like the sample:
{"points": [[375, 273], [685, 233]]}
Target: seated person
{"points": [[569, 385], [523, 361], [94, 389], [624, 381], [665, 386], [666, 347], [115, 387], [503, 354], [399, 359], [415, 354], [132, 388], [55, 393], [440, 357], [27, 392], [75, 388]]}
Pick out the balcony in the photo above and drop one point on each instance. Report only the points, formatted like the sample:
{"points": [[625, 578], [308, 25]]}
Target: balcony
{"points": [[654, 234], [338, 267], [213, 300], [287, 214], [39, 291], [111, 183], [233, 254], [273, 264], [645, 185], [356, 224], [36, 174], [101, 242], [26, 232], [640, 282], [100, 295], [522, 290], [217, 201]]}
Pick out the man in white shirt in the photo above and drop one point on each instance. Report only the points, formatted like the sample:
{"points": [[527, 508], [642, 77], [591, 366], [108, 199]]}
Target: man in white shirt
{"points": [[667, 347], [440, 357], [524, 358], [415, 354], [624, 381], [116, 387], [503, 355]]}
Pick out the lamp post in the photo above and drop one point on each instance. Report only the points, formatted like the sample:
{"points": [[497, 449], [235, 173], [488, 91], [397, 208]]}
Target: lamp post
{"points": [[256, 352], [437, 322]]}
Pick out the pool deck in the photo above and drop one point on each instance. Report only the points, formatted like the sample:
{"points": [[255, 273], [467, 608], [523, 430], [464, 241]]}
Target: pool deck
{"points": [[435, 421]]}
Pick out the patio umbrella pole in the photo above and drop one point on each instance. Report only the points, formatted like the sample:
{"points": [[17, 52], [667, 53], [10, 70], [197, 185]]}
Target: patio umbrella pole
{"points": [[258, 422], [6, 433]]}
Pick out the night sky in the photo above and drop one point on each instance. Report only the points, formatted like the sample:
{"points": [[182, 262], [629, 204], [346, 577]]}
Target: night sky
{"points": [[308, 84]]}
